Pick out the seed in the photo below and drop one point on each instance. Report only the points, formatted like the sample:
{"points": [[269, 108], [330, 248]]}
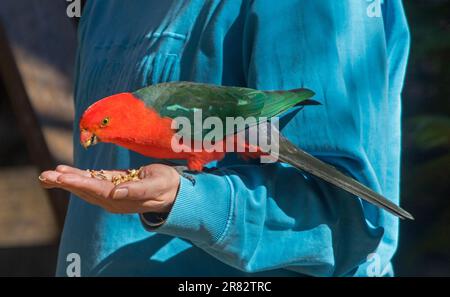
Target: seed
{"points": [[130, 175]]}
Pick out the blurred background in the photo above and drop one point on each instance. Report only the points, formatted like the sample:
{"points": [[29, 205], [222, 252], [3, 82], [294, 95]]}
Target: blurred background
{"points": [[37, 52]]}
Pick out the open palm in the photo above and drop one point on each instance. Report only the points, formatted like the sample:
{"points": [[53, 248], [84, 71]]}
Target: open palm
{"points": [[154, 192]]}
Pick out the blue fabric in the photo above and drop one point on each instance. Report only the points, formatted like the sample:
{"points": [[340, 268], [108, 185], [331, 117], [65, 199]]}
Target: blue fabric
{"points": [[250, 219]]}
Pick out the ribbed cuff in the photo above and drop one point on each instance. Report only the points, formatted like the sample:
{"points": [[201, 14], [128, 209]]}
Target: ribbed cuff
{"points": [[201, 211], [152, 220]]}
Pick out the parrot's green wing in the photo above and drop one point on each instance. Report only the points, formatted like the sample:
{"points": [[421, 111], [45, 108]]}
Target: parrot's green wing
{"points": [[200, 101]]}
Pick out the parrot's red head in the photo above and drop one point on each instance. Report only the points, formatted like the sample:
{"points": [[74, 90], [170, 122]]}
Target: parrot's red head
{"points": [[116, 119]]}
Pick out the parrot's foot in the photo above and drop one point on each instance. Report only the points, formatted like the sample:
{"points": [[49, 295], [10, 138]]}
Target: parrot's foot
{"points": [[181, 169], [182, 172], [210, 169]]}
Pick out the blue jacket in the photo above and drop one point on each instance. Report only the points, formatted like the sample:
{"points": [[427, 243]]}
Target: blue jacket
{"points": [[249, 218]]}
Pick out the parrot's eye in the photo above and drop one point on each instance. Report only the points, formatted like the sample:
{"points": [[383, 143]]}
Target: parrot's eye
{"points": [[105, 122]]}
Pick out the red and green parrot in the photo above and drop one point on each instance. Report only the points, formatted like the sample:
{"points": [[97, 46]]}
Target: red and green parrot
{"points": [[143, 121]]}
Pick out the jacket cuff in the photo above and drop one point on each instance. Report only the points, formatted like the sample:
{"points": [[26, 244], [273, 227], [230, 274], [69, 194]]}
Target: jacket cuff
{"points": [[201, 212]]}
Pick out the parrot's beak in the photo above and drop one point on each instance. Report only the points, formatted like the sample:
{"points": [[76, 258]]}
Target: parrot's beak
{"points": [[88, 138]]}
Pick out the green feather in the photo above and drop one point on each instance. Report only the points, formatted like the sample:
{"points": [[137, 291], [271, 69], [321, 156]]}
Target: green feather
{"points": [[184, 99]]}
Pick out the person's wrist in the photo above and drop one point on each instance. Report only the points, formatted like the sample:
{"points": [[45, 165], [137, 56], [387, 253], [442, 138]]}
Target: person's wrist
{"points": [[199, 213], [172, 195], [154, 219]]}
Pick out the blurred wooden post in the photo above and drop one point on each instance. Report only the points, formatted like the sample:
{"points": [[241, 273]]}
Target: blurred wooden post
{"points": [[28, 123]]}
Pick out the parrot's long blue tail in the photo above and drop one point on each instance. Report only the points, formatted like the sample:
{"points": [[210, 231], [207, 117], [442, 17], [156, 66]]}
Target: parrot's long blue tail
{"points": [[289, 153]]}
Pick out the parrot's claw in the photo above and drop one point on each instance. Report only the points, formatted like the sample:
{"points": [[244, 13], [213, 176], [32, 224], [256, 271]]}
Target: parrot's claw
{"points": [[182, 172], [181, 169], [189, 178], [210, 169]]}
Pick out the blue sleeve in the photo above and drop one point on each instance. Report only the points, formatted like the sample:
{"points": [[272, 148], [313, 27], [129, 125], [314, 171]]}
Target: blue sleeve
{"points": [[262, 217]]}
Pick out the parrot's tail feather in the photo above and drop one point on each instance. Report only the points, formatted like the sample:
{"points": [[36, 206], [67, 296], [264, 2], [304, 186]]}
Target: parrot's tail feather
{"points": [[308, 102], [289, 153], [280, 100]]}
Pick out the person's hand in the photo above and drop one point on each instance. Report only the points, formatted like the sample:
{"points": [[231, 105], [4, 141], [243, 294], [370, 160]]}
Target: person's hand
{"points": [[154, 192]]}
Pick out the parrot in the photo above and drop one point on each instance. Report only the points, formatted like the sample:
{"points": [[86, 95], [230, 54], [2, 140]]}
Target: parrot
{"points": [[144, 121]]}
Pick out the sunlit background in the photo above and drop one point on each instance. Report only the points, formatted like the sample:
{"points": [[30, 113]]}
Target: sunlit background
{"points": [[37, 53]]}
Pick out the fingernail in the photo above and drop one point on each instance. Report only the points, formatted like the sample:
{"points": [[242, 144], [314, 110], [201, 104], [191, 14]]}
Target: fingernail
{"points": [[42, 178], [120, 193]]}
